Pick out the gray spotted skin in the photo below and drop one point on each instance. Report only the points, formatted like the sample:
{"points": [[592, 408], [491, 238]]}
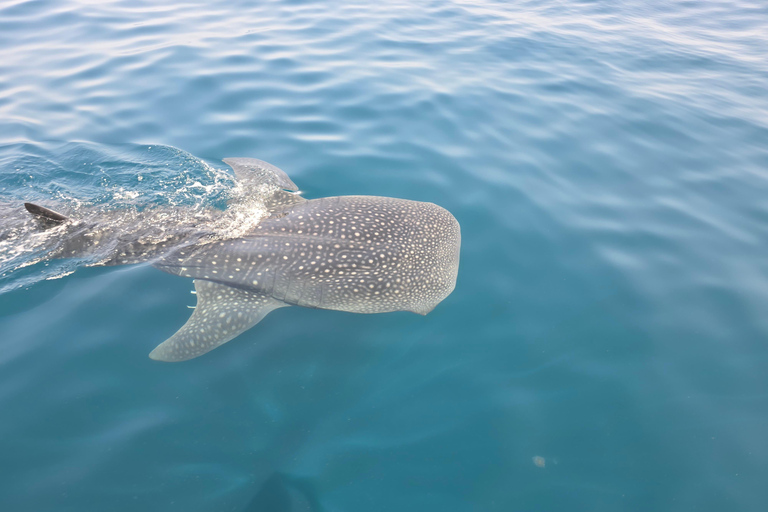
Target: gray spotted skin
{"points": [[362, 254]]}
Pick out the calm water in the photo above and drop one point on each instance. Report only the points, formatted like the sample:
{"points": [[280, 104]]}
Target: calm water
{"points": [[606, 345]]}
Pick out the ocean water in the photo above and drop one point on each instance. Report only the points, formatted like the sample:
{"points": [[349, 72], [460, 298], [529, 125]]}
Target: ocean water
{"points": [[605, 348]]}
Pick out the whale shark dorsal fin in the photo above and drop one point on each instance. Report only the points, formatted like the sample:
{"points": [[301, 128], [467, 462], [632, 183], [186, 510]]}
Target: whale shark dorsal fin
{"points": [[222, 313], [45, 214], [250, 171]]}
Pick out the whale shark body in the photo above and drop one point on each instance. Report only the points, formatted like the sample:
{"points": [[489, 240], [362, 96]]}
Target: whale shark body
{"points": [[362, 254]]}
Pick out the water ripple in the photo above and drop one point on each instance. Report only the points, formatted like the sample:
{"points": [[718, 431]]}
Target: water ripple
{"points": [[607, 162]]}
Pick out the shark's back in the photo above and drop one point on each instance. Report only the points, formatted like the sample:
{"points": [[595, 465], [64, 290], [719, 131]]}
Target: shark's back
{"points": [[363, 254]]}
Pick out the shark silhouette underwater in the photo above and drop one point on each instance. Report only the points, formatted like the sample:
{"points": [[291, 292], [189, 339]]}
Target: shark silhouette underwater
{"points": [[361, 254]]}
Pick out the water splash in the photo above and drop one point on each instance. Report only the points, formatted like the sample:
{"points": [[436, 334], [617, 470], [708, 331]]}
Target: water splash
{"points": [[147, 198]]}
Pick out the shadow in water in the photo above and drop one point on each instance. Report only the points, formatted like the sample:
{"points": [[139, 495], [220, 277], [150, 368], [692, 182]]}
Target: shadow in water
{"points": [[283, 493]]}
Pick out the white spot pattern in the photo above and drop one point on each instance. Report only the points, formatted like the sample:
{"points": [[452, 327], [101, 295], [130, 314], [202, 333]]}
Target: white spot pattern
{"points": [[363, 254]]}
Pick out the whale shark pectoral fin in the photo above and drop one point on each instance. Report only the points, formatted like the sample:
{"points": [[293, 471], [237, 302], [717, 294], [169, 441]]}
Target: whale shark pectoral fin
{"points": [[222, 313], [251, 171]]}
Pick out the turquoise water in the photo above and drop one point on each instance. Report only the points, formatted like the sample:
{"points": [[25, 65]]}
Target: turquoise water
{"points": [[606, 345]]}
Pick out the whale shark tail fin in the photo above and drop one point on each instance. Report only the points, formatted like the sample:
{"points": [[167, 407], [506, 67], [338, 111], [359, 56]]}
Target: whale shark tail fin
{"points": [[44, 214], [222, 313]]}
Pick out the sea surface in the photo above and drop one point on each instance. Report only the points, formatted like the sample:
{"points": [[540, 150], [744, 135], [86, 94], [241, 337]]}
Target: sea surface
{"points": [[605, 348]]}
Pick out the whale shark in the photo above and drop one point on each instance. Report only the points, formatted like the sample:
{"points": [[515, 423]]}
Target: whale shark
{"points": [[360, 254]]}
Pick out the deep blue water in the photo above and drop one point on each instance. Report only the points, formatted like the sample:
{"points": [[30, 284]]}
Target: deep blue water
{"points": [[606, 345]]}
